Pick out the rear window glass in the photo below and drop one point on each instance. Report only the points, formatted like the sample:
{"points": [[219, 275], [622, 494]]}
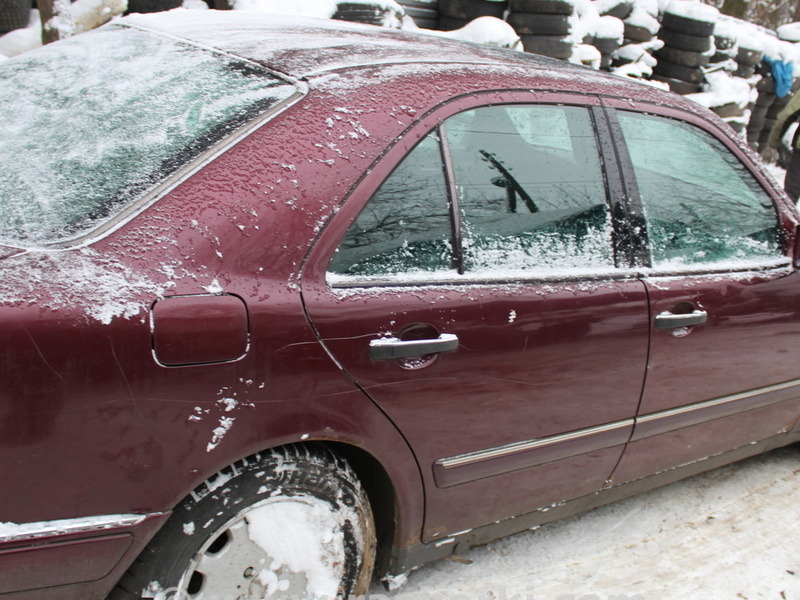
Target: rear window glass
{"points": [[92, 123]]}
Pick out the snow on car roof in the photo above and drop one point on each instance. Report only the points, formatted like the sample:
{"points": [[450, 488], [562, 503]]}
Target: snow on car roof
{"points": [[306, 47]]}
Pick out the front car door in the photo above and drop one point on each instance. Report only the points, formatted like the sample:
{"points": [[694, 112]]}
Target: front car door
{"points": [[477, 288], [725, 326]]}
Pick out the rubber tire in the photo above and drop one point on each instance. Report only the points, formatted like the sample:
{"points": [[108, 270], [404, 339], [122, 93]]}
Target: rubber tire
{"points": [[687, 25], [374, 14], [451, 23], [554, 46], [749, 57], [290, 472], [682, 57], [678, 86], [606, 45], [471, 9], [726, 111], [637, 34], [540, 24], [673, 71], [434, 5], [151, 6], [744, 71], [544, 7], [622, 10], [724, 43], [683, 41], [14, 14]]}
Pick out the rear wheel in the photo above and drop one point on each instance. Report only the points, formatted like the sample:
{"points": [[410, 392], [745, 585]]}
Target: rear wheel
{"points": [[292, 523]]}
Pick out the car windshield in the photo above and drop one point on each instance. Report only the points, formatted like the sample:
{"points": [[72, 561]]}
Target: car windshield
{"points": [[92, 123]]}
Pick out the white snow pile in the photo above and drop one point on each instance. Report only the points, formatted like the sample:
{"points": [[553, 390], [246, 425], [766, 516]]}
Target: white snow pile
{"points": [[789, 32], [693, 10], [81, 16], [723, 90], [322, 9], [301, 534], [483, 30]]}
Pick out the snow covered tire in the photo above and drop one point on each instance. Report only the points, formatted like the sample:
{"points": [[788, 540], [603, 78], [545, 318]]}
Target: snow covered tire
{"points": [[471, 9], [685, 58], [687, 25], [554, 46], [637, 34], [673, 71], [545, 7], [684, 41], [749, 57], [678, 86], [540, 24], [252, 514]]}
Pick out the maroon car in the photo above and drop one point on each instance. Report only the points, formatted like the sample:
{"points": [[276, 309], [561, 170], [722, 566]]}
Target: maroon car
{"points": [[288, 304]]}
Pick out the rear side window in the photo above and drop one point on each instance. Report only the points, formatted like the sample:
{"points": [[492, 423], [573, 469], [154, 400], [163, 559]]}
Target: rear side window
{"points": [[701, 204], [102, 118], [530, 194]]}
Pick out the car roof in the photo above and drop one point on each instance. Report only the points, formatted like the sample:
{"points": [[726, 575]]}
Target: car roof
{"points": [[308, 47]]}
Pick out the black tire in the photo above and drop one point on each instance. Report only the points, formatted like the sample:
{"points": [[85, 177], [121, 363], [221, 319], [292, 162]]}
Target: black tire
{"points": [[450, 23], [151, 6], [364, 13], [241, 511], [605, 62], [14, 14], [726, 111], [687, 25], [678, 86], [554, 46], [622, 10], [758, 114], [423, 17], [637, 34], [540, 24], [737, 126], [545, 7], [471, 9], [773, 111], [744, 71], [673, 71], [765, 99], [682, 57], [724, 43], [747, 56], [432, 5], [606, 45], [683, 41]]}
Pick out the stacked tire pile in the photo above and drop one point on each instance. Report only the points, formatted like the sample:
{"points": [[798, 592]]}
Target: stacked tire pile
{"points": [[424, 12], [762, 115], [638, 36], [687, 42], [371, 14], [544, 26], [454, 14], [608, 37]]}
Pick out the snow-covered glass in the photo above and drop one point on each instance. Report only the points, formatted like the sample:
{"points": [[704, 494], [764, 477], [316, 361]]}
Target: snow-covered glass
{"points": [[701, 204], [405, 228], [531, 190], [92, 123]]}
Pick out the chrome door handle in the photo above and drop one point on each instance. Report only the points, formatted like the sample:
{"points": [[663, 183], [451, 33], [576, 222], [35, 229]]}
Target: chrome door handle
{"points": [[668, 320], [391, 348]]}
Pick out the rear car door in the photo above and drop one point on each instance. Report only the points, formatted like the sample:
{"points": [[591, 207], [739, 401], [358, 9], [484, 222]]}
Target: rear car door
{"points": [[477, 288], [725, 328]]}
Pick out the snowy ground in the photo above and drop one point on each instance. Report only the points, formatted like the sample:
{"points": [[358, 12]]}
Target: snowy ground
{"points": [[731, 533]]}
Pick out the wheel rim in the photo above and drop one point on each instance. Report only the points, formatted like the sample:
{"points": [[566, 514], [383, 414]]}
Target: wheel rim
{"points": [[284, 547]]}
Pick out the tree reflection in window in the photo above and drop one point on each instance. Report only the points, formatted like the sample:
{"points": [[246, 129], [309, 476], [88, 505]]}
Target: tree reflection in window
{"points": [[405, 227]]}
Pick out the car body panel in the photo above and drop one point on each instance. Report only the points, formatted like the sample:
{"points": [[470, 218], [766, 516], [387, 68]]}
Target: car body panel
{"points": [[92, 423]]}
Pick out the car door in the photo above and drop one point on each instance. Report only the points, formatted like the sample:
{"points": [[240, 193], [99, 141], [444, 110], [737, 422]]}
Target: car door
{"points": [[725, 328], [476, 287]]}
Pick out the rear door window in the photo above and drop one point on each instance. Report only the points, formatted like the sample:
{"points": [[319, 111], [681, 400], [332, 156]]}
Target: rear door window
{"points": [[701, 204], [522, 192]]}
